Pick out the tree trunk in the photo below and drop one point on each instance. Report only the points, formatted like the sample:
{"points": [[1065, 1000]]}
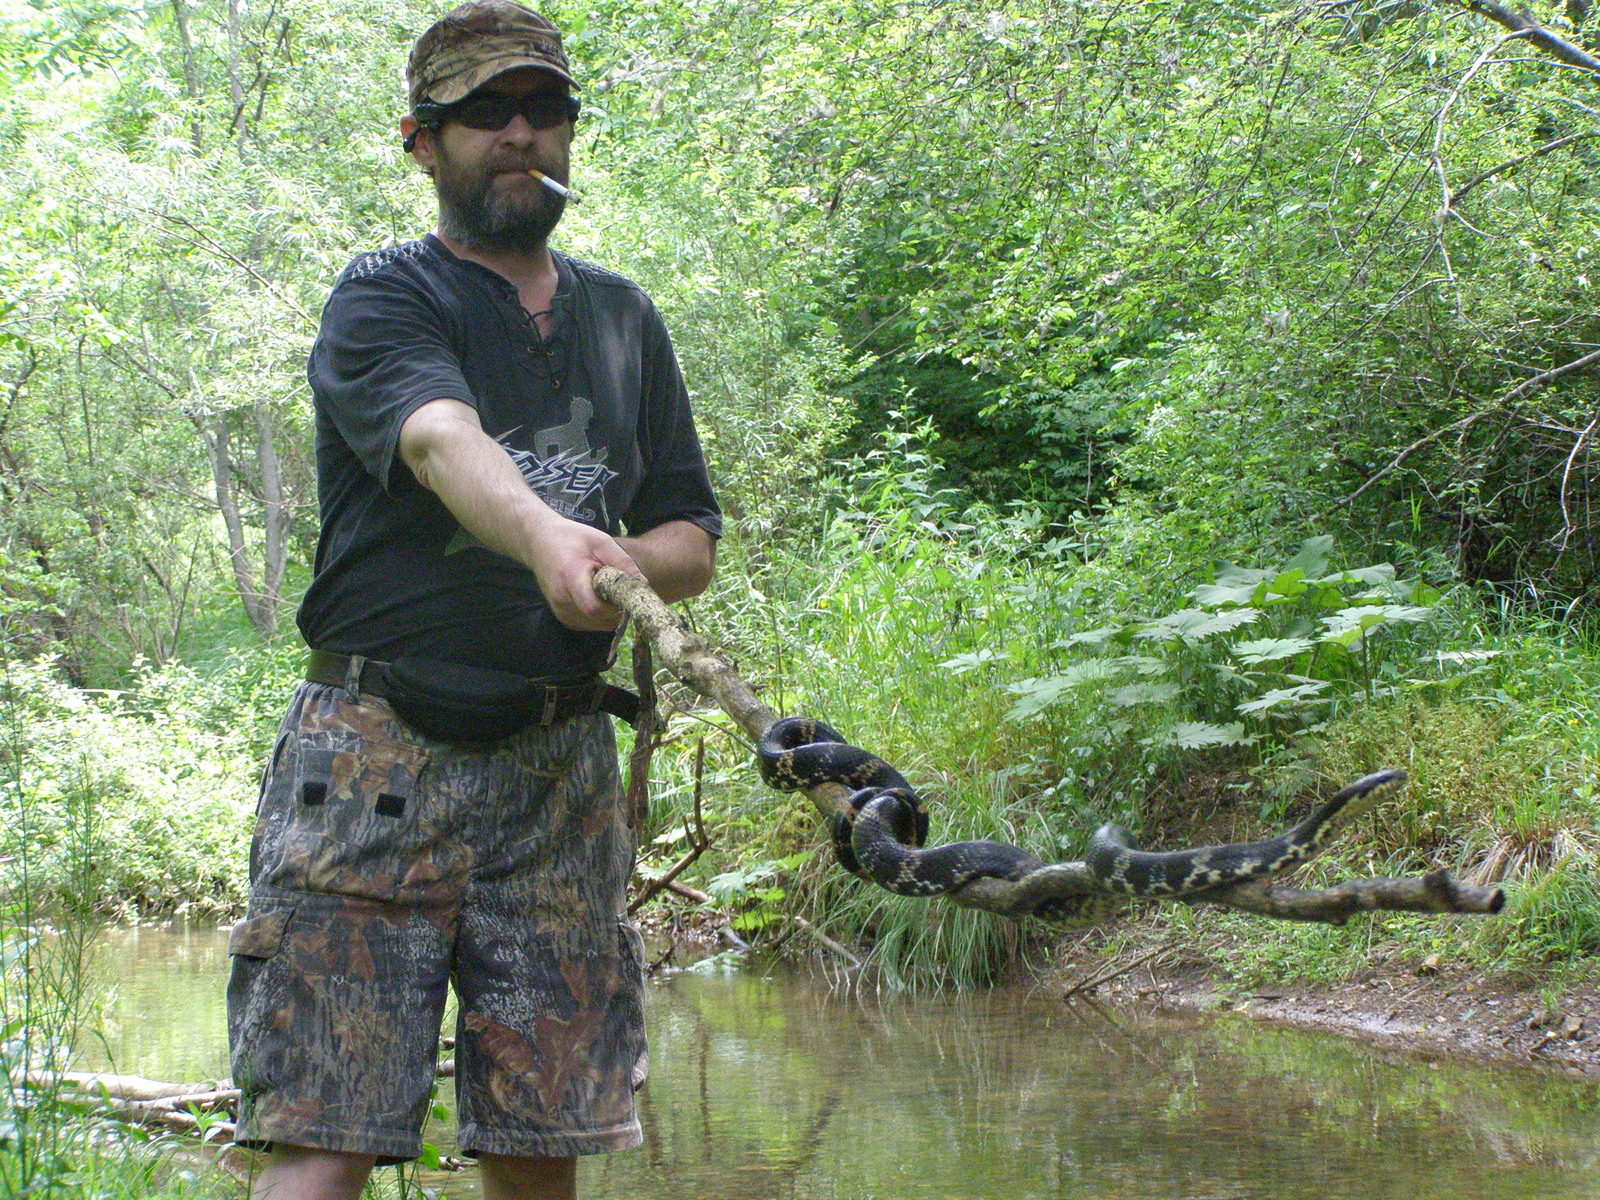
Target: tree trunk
{"points": [[275, 522], [191, 85], [262, 610]]}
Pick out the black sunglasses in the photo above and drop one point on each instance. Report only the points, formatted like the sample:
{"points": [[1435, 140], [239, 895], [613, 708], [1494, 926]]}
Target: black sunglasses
{"points": [[494, 110]]}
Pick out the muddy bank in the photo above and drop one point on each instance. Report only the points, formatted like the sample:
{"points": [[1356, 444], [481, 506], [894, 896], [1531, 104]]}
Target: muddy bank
{"points": [[1430, 1012]]}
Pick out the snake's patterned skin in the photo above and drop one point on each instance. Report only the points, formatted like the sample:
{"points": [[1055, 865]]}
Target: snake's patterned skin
{"points": [[797, 752], [1121, 868], [881, 829]]}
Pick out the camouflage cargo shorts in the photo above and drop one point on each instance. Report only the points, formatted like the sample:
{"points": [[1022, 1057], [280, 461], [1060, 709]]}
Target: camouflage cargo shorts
{"points": [[386, 867]]}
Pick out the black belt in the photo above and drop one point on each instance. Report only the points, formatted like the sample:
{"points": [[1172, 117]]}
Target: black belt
{"points": [[560, 702]]}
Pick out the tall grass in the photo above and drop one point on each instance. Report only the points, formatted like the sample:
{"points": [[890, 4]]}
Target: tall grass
{"points": [[59, 844]]}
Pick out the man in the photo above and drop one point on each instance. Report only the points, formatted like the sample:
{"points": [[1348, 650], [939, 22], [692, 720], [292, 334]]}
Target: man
{"points": [[490, 416]]}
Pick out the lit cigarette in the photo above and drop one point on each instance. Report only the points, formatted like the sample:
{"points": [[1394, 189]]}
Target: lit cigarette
{"points": [[559, 189]]}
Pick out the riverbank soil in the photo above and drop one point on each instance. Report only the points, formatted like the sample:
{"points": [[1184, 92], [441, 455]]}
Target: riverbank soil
{"points": [[1431, 1010]]}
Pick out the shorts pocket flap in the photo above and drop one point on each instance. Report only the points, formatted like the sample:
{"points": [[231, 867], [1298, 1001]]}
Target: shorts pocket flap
{"points": [[259, 937]]}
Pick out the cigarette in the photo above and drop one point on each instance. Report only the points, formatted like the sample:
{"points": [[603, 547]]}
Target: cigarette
{"points": [[559, 189]]}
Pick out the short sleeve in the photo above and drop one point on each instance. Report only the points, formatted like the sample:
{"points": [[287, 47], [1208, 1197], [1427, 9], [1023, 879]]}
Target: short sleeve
{"points": [[675, 485], [382, 352]]}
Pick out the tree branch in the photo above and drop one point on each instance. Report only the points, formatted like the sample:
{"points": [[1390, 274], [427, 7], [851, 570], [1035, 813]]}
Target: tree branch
{"points": [[1541, 37], [1512, 163], [1062, 893], [1472, 419]]}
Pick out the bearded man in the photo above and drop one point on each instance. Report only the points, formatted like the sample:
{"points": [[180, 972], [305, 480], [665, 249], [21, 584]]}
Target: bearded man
{"points": [[443, 806]]}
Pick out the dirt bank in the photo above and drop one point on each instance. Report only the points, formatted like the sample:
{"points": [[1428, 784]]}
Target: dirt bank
{"points": [[1430, 1012]]}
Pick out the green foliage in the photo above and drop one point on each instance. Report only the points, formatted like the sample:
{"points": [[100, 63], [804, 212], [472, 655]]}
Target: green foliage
{"points": [[170, 797], [753, 892], [1259, 655]]}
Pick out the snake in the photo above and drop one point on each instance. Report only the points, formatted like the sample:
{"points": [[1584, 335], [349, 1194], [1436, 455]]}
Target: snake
{"points": [[880, 830]]}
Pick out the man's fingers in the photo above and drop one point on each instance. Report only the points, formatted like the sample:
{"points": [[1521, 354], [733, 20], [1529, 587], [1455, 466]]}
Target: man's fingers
{"points": [[571, 553]]}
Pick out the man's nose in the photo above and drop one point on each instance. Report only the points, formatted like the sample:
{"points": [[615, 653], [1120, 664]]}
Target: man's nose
{"points": [[517, 130]]}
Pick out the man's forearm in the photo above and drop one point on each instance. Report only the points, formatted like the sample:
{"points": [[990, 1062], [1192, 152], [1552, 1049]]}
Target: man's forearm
{"points": [[678, 558], [446, 449], [483, 489]]}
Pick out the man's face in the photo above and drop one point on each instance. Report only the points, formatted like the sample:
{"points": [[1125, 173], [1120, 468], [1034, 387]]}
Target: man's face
{"points": [[487, 199]]}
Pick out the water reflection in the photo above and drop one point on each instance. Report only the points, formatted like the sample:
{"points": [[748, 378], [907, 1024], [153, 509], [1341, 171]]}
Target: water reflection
{"points": [[785, 1087]]}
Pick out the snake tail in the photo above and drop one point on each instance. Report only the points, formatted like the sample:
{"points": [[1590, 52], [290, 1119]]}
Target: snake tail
{"points": [[1121, 868]]}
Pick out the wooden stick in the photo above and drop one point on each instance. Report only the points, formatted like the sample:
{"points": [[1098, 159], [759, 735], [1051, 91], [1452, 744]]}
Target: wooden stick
{"points": [[826, 942], [1114, 972], [702, 842], [120, 1087]]}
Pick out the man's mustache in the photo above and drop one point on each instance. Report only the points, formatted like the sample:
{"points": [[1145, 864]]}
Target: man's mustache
{"points": [[515, 165]]}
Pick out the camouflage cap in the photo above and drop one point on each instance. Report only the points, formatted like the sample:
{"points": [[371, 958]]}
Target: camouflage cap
{"points": [[476, 41]]}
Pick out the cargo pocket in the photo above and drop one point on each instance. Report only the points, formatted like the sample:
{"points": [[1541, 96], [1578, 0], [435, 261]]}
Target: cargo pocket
{"points": [[259, 937], [345, 817], [257, 999]]}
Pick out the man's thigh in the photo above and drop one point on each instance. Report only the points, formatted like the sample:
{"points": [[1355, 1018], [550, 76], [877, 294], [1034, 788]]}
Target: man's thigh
{"points": [[385, 863], [549, 973]]}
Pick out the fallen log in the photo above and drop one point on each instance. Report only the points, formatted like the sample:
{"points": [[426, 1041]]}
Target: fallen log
{"points": [[125, 1087]]}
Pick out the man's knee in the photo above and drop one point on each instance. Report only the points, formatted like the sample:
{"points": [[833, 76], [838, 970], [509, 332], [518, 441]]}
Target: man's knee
{"points": [[303, 1173], [509, 1178]]}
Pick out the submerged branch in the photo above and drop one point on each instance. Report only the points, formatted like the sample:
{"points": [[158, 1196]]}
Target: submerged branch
{"points": [[1056, 893]]}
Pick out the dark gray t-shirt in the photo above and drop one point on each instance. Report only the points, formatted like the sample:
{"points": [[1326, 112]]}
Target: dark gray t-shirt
{"points": [[595, 416]]}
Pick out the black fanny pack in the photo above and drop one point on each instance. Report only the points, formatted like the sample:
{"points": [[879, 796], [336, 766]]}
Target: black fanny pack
{"points": [[472, 706]]}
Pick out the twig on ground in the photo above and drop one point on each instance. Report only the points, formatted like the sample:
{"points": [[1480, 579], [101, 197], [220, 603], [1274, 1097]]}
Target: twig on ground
{"points": [[702, 843], [1115, 971], [826, 942]]}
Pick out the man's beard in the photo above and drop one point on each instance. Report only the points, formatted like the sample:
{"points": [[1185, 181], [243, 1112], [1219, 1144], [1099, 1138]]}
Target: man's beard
{"points": [[474, 213]]}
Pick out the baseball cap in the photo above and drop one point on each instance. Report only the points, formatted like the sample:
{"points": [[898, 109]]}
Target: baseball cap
{"points": [[476, 41]]}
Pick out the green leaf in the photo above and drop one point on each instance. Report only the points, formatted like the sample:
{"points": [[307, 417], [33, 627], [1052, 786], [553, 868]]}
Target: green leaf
{"points": [[1312, 557], [1036, 695], [1195, 624], [1282, 696], [1236, 585], [1270, 649], [962, 663], [1144, 693], [1194, 735], [1092, 637], [1288, 585]]}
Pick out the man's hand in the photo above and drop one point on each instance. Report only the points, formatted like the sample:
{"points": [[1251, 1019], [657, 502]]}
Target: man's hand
{"points": [[449, 453], [567, 554]]}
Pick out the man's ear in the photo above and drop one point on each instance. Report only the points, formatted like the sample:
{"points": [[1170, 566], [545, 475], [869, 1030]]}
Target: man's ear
{"points": [[418, 141]]}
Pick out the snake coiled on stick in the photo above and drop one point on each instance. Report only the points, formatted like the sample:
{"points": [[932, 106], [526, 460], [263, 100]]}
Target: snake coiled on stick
{"points": [[880, 831], [1058, 892]]}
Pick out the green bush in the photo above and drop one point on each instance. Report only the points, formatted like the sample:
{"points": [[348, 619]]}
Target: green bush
{"points": [[167, 794]]}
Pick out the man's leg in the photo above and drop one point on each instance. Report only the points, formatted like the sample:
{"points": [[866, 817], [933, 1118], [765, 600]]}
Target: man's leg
{"points": [[507, 1178], [296, 1173]]}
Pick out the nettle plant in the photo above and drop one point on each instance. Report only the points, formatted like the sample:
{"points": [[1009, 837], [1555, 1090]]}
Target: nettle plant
{"points": [[1261, 652]]}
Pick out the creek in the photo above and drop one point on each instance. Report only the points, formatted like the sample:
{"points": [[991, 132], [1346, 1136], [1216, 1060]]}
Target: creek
{"points": [[798, 1086]]}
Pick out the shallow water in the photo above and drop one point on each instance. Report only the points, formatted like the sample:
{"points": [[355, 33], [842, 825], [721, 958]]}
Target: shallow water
{"points": [[787, 1087]]}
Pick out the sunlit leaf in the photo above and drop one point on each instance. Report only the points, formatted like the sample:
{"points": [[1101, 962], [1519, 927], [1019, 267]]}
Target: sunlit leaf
{"points": [[1193, 735]]}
